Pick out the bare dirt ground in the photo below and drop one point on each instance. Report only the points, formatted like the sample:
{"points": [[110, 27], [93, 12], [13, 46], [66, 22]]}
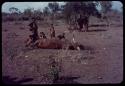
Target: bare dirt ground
{"points": [[100, 62]]}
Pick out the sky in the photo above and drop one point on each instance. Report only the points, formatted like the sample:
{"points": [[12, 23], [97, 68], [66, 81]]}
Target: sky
{"points": [[40, 5]]}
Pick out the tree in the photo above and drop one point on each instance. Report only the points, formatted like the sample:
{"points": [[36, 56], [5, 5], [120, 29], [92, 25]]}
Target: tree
{"points": [[28, 12], [54, 7], [62, 8], [14, 13], [38, 14], [73, 9], [46, 11], [14, 10], [105, 6], [67, 11]]}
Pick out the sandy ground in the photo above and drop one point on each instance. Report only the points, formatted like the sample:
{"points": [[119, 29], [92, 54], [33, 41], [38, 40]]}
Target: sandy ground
{"points": [[101, 62]]}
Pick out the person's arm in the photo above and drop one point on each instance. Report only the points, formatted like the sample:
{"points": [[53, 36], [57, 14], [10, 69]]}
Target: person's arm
{"points": [[36, 42]]}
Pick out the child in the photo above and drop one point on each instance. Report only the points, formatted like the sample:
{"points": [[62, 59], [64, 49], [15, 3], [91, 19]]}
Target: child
{"points": [[52, 31]]}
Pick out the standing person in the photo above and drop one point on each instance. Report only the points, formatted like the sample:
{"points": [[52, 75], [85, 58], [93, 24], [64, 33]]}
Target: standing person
{"points": [[82, 21], [52, 31], [34, 29], [86, 22]]}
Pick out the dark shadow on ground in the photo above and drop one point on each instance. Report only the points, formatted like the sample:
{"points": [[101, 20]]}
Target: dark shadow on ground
{"points": [[88, 48], [5, 30], [10, 80], [98, 25], [116, 25], [96, 30], [67, 80], [71, 47]]}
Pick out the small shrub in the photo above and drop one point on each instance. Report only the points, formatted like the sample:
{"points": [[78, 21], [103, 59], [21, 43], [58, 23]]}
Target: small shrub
{"points": [[54, 69], [25, 18]]}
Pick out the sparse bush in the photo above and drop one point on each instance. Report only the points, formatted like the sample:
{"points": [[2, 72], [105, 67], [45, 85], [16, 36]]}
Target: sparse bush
{"points": [[25, 18], [55, 68], [8, 19]]}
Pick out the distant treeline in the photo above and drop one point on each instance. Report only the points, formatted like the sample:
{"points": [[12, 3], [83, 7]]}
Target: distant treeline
{"points": [[70, 11]]}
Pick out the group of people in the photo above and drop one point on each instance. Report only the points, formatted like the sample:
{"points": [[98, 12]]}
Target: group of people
{"points": [[35, 37]]}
